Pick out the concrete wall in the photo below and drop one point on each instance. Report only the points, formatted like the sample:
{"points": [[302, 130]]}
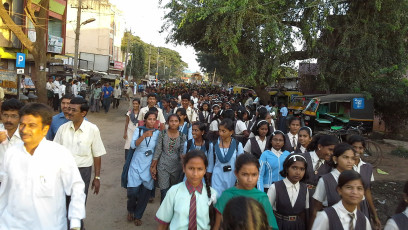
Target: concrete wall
{"points": [[95, 37]]}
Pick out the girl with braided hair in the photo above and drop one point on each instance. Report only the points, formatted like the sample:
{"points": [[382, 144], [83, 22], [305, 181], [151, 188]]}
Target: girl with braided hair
{"points": [[184, 204]]}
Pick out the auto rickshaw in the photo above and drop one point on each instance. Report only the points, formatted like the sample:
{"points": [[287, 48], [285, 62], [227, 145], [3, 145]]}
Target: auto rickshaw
{"points": [[339, 110], [299, 103], [285, 97]]}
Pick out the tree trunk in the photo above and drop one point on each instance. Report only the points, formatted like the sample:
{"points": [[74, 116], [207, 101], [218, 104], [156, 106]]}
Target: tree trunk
{"points": [[40, 58], [262, 94]]}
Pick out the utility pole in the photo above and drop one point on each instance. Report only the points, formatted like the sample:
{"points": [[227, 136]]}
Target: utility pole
{"points": [[131, 67], [157, 66], [164, 67], [127, 52], [77, 30], [150, 52]]}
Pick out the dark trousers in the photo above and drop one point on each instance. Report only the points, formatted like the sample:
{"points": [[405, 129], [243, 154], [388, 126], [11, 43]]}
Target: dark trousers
{"points": [[55, 101], [138, 197], [116, 102], [86, 173], [282, 124], [163, 193], [106, 103]]}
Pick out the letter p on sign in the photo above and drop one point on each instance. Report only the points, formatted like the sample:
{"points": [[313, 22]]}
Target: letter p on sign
{"points": [[20, 60]]}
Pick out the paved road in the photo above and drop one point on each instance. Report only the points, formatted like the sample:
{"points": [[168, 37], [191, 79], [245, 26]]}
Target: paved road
{"points": [[107, 210]]}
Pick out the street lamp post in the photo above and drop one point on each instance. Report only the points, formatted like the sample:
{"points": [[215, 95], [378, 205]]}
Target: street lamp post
{"points": [[77, 32]]}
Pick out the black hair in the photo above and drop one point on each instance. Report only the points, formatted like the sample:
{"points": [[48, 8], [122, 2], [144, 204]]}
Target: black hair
{"points": [[307, 129], [148, 114], [185, 96], [208, 105], [244, 213], [136, 99], [172, 115], [11, 104], [200, 154], [228, 124], [292, 119], [152, 95], [339, 150], [277, 132], [67, 96], [183, 111], [37, 110], [292, 158], [201, 126], [262, 112], [323, 140], [240, 114], [256, 127], [356, 138], [154, 109], [347, 176], [403, 204], [84, 106], [228, 114], [244, 159]]}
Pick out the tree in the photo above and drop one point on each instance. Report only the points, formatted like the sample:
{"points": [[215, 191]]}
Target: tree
{"points": [[37, 48], [174, 64], [365, 50], [256, 37], [136, 64]]}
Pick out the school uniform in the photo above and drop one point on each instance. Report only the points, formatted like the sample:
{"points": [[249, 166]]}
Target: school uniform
{"points": [[338, 218], [300, 149], [256, 146], [140, 181], [213, 129], [326, 189], [224, 157], [186, 129], [203, 117], [291, 142], [398, 221], [366, 172], [316, 168], [289, 202], [175, 208], [271, 163], [239, 129]]}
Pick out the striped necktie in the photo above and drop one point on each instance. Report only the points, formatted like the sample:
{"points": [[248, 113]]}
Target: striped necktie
{"points": [[351, 225], [192, 215]]}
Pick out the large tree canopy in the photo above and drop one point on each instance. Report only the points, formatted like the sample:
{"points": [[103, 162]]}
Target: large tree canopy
{"points": [[358, 44], [257, 37]]}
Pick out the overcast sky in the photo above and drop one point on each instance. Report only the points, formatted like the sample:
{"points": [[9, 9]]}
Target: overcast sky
{"points": [[145, 18]]}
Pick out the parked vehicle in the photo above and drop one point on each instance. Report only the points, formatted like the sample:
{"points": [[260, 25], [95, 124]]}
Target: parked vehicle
{"points": [[299, 103], [284, 96], [339, 110]]}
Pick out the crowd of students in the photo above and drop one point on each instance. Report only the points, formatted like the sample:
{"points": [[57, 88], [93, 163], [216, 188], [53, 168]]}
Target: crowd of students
{"points": [[221, 164]]}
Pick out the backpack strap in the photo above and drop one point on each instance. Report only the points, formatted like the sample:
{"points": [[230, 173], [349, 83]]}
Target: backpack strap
{"points": [[189, 143]]}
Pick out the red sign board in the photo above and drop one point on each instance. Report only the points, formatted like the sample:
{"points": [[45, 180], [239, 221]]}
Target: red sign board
{"points": [[118, 65]]}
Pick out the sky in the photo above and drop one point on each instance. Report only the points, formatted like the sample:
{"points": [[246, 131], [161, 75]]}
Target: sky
{"points": [[145, 18]]}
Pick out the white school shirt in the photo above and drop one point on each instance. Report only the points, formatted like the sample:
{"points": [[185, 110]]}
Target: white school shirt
{"points": [[84, 143], [214, 125], [290, 136], [75, 89], [391, 225], [322, 220], [302, 149], [10, 141], [293, 192], [320, 193], [240, 127], [34, 187], [176, 206], [56, 87], [358, 167], [315, 159], [261, 143], [145, 109]]}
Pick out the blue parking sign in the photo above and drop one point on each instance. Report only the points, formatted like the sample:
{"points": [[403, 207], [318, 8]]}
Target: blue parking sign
{"points": [[20, 60], [358, 103]]}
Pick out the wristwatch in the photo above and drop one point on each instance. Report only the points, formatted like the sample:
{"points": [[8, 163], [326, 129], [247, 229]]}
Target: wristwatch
{"points": [[97, 177]]}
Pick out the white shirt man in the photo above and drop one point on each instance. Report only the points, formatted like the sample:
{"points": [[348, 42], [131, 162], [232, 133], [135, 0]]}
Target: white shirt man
{"points": [[36, 176], [84, 141], [10, 141]]}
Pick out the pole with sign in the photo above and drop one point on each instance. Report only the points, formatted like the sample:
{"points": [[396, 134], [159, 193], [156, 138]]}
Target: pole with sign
{"points": [[20, 63]]}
